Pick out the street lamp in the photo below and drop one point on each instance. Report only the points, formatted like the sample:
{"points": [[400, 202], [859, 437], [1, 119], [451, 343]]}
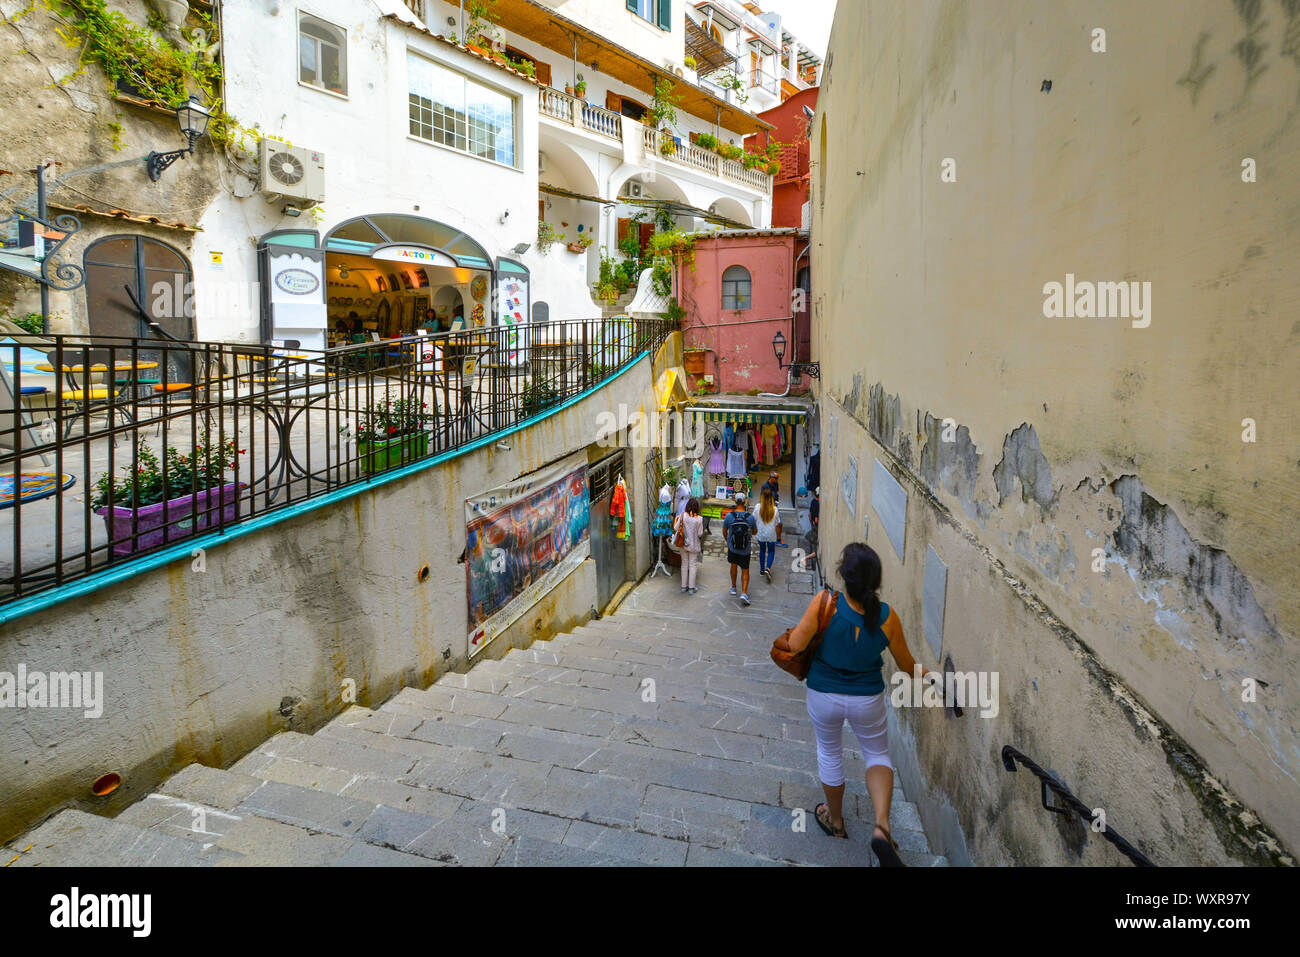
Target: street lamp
{"points": [[797, 369], [778, 346], [192, 117]]}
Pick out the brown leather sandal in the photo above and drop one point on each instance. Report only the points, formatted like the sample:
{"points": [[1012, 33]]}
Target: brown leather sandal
{"points": [[886, 848], [825, 825]]}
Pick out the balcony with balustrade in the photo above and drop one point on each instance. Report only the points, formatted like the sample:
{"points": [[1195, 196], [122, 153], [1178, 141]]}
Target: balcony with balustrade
{"points": [[564, 110]]}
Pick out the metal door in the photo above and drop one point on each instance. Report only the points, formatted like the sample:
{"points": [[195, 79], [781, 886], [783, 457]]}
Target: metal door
{"points": [[608, 550]]}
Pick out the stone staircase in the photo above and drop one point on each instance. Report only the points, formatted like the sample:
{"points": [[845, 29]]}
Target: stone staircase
{"points": [[553, 755], [620, 305]]}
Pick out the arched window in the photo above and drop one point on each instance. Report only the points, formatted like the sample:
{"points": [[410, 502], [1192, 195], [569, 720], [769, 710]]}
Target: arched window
{"points": [[322, 55], [736, 288]]}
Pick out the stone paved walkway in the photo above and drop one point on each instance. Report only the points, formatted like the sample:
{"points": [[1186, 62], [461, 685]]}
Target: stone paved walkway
{"points": [[550, 756]]}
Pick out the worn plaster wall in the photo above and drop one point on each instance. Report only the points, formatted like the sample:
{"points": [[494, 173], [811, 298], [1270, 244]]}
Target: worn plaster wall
{"points": [[99, 144], [203, 666], [1119, 540]]}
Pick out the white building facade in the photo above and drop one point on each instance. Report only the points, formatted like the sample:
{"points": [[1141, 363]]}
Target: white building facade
{"points": [[401, 175]]}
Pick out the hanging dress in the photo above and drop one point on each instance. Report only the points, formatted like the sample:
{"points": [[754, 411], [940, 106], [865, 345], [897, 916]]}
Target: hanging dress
{"points": [[663, 523], [682, 497], [717, 460], [697, 480], [735, 463]]}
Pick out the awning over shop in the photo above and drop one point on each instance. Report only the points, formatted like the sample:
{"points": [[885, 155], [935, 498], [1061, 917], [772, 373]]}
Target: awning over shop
{"points": [[749, 416]]}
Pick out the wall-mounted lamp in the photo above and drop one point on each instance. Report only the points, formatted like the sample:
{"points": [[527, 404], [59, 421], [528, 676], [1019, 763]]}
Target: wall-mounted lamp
{"points": [[504, 216], [292, 211], [812, 369], [522, 248], [192, 117]]}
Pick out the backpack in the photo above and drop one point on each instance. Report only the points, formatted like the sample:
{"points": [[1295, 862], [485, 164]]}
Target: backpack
{"points": [[738, 537]]}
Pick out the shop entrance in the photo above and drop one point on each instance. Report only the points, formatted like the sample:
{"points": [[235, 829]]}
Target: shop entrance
{"points": [[607, 549], [391, 275]]}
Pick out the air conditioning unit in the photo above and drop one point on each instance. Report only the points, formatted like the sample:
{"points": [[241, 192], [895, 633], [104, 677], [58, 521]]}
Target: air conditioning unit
{"points": [[291, 172], [634, 190], [681, 74]]}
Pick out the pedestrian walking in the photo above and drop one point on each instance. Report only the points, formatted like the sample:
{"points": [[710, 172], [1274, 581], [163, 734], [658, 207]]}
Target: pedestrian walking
{"points": [[768, 533], [689, 527], [773, 484], [738, 529], [845, 682]]}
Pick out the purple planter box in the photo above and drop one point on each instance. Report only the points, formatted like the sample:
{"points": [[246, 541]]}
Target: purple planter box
{"points": [[131, 530]]}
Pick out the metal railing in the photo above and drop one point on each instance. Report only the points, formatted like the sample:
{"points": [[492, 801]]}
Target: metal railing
{"points": [[138, 444], [1050, 783]]}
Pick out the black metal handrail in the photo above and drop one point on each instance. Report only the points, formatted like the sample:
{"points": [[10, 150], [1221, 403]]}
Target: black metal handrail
{"points": [[1049, 783], [303, 423]]}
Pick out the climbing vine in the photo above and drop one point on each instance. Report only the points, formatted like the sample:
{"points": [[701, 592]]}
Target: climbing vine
{"points": [[139, 61]]}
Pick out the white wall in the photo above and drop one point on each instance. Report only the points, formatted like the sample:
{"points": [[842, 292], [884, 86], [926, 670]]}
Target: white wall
{"points": [[372, 165]]}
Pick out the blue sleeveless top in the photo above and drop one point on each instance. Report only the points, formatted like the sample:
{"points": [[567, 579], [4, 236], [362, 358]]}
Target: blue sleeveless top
{"points": [[848, 661]]}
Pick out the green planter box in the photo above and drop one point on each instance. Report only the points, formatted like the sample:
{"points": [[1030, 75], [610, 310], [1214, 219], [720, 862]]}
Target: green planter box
{"points": [[402, 450]]}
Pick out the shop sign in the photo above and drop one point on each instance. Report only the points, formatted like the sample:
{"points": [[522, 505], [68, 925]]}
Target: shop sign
{"points": [[413, 254], [296, 282]]}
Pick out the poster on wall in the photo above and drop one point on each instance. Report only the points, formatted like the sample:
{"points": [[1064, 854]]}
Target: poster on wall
{"points": [[512, 303], [521, 540]]}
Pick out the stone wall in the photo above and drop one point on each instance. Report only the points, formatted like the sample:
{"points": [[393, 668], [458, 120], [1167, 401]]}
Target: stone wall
{"points": [[1114, 498]]}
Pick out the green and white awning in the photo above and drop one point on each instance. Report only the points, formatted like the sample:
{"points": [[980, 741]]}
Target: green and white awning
{"points": [[749, 416]]}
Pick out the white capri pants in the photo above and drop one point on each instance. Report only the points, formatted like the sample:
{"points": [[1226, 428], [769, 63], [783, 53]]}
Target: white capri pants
{"points": [[866, 716]]}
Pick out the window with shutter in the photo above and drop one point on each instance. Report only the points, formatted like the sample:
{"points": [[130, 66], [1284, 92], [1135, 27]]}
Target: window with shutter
{"points": [[666, 14], [624, 225], [613, 102]]}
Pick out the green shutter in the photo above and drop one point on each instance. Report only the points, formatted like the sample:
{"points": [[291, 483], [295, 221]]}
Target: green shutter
{"points": [[666, 15], [631, 5]]}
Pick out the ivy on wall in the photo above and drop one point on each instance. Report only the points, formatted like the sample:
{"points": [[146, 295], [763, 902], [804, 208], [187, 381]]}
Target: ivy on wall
{"points": [[139, 61]]}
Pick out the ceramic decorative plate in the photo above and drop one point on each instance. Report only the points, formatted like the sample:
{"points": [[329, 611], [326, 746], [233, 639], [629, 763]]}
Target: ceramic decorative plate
{"points": [[478, 287]]}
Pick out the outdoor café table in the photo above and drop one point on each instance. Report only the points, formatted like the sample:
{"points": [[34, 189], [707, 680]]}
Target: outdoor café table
{"points": [[31, 487], [120, 365], [282, 401]]}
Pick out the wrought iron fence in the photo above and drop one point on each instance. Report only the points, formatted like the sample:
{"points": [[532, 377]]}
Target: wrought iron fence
{"points": [[136, 444]]}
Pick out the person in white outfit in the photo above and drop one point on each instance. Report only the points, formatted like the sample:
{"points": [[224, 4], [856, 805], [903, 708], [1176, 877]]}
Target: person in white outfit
{"points": [[691, 524]]}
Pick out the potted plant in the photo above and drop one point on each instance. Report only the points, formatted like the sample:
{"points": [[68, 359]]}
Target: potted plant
{"points": [[582, 243], [536, 397], [667, 145], [140, 510], [568, 89], [731, 151], [546, 236], [773, 167], [482, 16], [392, 432], [707, 141], [335, 84], [580, 89]]}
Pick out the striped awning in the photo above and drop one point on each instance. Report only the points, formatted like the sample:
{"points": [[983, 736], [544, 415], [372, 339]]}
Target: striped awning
{"points": [[750, 416]]}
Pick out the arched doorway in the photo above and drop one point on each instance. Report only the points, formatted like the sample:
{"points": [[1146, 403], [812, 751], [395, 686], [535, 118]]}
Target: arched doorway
{"points": [[132, 279], [392, 268]]}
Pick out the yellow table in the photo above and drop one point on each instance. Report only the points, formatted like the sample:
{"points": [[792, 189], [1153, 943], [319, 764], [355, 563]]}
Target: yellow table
{"points": [[123, 365]]}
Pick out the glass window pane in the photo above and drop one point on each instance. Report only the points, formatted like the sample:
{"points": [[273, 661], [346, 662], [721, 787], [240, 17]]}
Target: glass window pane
{"points": [[307, 59]]}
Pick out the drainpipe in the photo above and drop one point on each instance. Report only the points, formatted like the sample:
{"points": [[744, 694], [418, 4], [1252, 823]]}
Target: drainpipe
{"points": [[42, 213], [462, 23], [575, 62]]}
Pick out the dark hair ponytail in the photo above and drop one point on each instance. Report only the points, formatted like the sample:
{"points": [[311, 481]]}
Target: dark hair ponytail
{"points": [[859, 569]]}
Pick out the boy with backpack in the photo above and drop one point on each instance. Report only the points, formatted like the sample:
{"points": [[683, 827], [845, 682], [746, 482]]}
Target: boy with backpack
{"points": [[738, 530]]}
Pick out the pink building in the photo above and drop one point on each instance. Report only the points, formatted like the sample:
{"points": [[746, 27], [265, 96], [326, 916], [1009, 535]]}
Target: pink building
{"points": [[742, 292]]}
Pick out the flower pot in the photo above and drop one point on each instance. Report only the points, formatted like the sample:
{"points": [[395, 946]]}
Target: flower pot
{"points": [[577, 248], [387, 453], [136, 529]]}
